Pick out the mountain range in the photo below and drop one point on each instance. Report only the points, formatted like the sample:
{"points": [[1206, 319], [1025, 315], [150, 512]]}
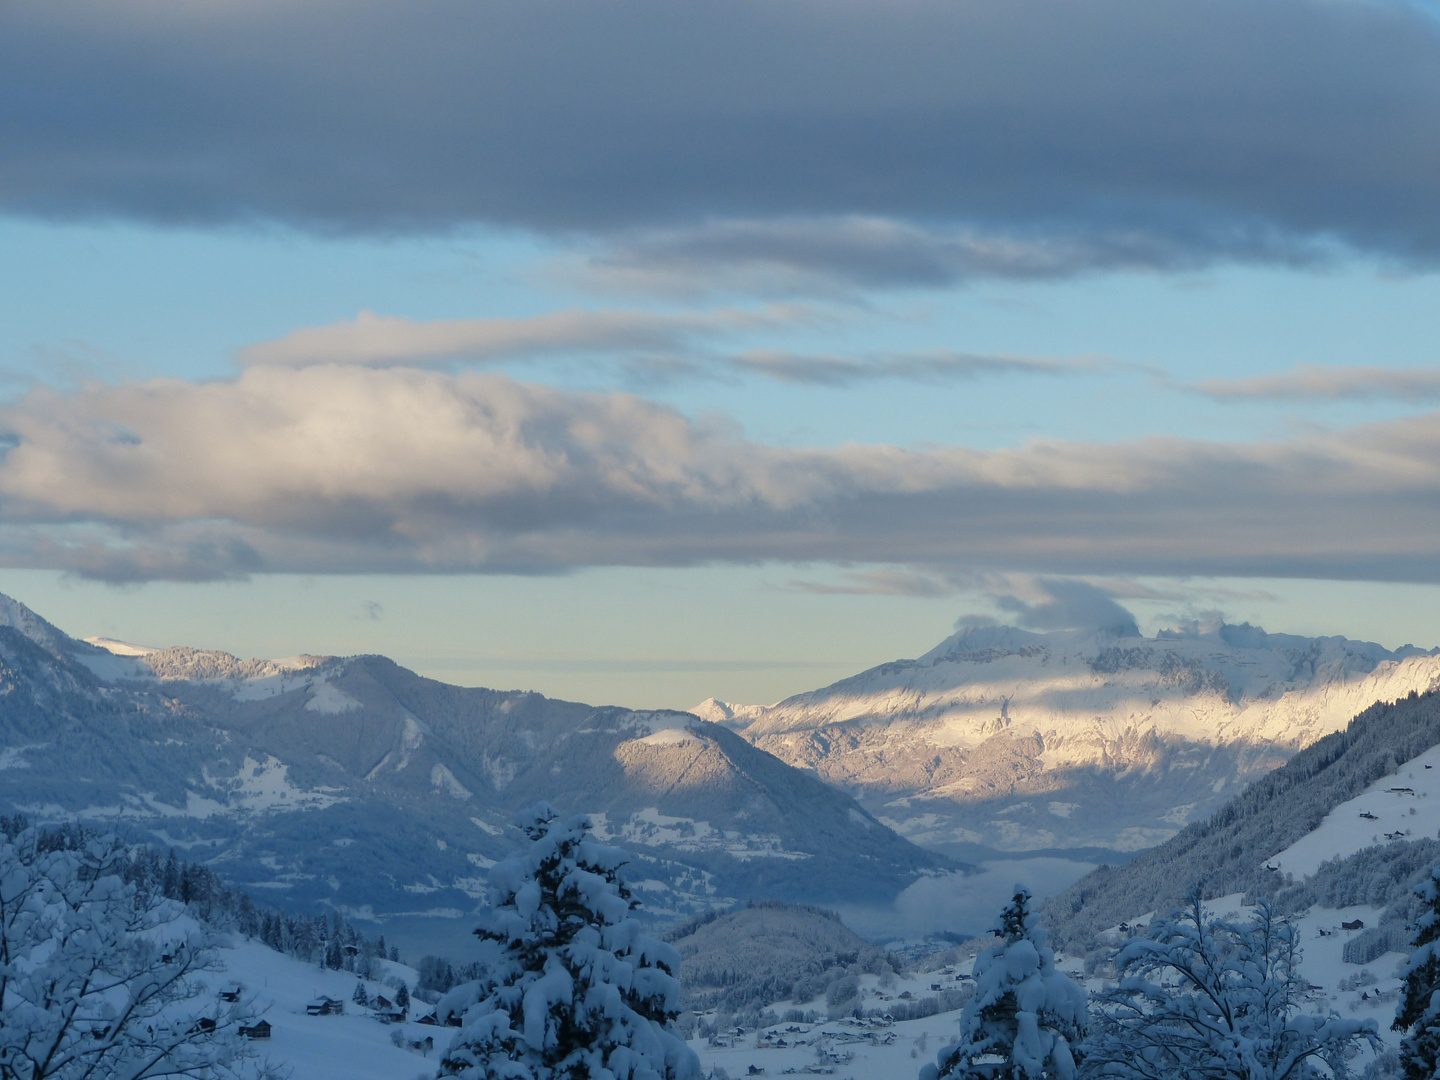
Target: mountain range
{"points": [[355, 783], [1094, 743], [351, 782]]}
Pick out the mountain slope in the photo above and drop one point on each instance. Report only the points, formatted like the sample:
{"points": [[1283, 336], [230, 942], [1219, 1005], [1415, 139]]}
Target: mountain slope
{"points": [[356, 783], [1021, 741], [1233, 850]]}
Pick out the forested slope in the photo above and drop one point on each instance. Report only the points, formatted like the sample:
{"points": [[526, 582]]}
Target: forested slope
{"points": [[1226, 853]]}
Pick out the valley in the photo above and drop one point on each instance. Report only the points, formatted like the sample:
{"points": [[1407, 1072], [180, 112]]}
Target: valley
{"points": [[1243, 763]]}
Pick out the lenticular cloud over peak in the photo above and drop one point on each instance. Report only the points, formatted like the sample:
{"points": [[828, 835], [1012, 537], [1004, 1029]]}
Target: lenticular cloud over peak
{"points": [[332, 468]]}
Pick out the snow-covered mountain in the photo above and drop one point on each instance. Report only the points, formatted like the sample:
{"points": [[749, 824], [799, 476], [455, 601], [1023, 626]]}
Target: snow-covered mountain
{"points": [[1350, 818], [356, 783], [1022, 741], [1339, 838]]}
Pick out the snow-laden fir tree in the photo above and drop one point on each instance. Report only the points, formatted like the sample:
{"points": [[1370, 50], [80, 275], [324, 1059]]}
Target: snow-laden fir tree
{"points": [[1419, 1011], [576, 990], [96, 981], [1211, 999], [1026, 1019]]}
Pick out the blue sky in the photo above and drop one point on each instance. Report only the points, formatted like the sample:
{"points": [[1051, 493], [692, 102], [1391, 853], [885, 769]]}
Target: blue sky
{"points": [[720, 349]]}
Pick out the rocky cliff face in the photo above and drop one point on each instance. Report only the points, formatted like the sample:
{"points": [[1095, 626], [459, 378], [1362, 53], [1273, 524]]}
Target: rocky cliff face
{"points": [[1019, 741]]}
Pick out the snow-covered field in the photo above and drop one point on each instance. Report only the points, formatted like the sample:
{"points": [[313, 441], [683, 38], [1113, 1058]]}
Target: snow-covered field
{"points": [[353, 1046], [1405, 805]]}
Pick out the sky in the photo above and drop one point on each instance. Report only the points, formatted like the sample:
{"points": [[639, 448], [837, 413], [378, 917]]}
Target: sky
{"points": [[645, 352]]}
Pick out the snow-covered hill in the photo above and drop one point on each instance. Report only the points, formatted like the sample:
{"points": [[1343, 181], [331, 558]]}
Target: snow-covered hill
{"points": [[1297, 834], [355, 783], [350, 1046], [1338, 838], [1022, 741]]}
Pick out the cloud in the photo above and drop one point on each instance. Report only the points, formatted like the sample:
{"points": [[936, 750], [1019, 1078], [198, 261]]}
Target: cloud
{"points": [[965, 903], [1306, 382], [842, 254], [974, 620], [659, 347], [829, 370], [1124, 132], [387, 339], [880, 582], [332, 468], [1070, 605]]}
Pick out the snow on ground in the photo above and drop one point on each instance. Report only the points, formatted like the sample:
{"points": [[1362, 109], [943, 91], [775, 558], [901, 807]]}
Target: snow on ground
{"points": [[1355, 991], [1361, 997], [260, 687], [13, 757], [1404, 805], [353, 1046], [115, 660], [839, 1049], [649, 827], [119, 648], [326, 697], [673, 736], [260, 786], [863, 1050]]}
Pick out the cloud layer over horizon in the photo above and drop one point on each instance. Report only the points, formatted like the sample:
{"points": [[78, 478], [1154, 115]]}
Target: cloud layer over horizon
{"points": [[910, 143], [342, 468]]}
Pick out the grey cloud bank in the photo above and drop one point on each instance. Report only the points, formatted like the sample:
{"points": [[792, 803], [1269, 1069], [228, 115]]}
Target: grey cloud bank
{"points": [[344, 468], [1054, 136]]}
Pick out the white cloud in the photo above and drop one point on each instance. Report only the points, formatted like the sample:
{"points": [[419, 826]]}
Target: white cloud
{"points": [[351, 468], [387, 339]]}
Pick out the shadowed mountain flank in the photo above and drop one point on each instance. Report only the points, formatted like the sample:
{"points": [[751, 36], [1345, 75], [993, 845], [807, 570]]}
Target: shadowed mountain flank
{"points": [[355, 783]]}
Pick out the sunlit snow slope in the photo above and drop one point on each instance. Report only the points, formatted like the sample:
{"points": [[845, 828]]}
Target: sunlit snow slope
{"points": [[1023, 741]]}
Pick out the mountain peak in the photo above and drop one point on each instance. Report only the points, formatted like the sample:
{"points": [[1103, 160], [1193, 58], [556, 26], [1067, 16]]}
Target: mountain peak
{"points": [[16, 615]]}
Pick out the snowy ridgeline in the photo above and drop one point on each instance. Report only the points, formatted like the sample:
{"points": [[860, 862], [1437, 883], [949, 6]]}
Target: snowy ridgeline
{"points": [[1024, 741]]}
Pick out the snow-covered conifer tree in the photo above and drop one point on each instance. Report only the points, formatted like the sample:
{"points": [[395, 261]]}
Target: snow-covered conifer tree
{"points": [[1026, 1019], [93, 982], [1419, 1011], [1204, 998], [577, 990]]}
